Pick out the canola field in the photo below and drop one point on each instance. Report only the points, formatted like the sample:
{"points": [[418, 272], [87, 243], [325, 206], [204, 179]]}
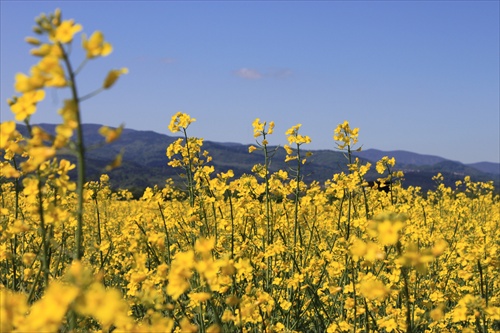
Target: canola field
{"points": [[265, 252]]}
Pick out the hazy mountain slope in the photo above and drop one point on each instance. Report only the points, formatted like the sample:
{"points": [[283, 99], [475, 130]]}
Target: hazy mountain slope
{"points": [[145, 161]]}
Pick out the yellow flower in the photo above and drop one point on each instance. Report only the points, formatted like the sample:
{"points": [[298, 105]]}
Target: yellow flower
{"points": [[48, 313], [47, 49], [436, 314], [204, 246], [388, 323], [270, 130], [372, 288], [51, 70], [388, 232], [26, 83], [111, 134], [7, 129], [179, 273], [187, 327], [384, 163], [293, 136], [346, 135], [117, 162], [65, 31], [38, 155], [13, 307], [113, 75], [8, 171], [180, 120], [69, 113], [199, 297], [25, 105], [105, 305], [96, 46], [258, 127]]}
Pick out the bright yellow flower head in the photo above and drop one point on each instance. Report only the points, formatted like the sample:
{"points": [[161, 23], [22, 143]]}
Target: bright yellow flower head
{"points": [[293, 136], [388, 232], [51, 70], [258, 127], [372, 288], [180, 120], [7, 130], [65, 31], [96, 46], [347, 136], [26, 83], [25, 105], [47, 49], [111, 134]]}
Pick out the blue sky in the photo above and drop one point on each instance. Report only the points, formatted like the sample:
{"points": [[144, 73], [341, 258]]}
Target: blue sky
{"points": [[421, 76]]}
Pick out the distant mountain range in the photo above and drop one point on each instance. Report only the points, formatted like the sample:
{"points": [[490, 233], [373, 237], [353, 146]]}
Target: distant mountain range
{"points": [[145, 162]]}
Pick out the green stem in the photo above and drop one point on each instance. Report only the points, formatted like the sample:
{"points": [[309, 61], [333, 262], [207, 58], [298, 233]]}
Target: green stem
{"points": [[80, 158], [189, 170]]}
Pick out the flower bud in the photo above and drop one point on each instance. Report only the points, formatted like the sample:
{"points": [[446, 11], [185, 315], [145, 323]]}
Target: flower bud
{"points": [[32, 41], [37, 30], [113, 75]]}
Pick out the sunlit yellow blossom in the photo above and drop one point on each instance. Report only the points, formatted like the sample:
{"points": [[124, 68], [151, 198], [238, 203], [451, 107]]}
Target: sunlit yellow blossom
{"points": [[204, 245], [111, 134], [346, 135], [65, 31], [199, 297], [372, 288], [180, 271], [112, 76], [288, 149], [25, 105], [8, 171], [38, 155], [107, 306], [13, 307], [7, 131], [389, 324], [439, 247], [51, 70], [48, 49], [180, 120], [69, 113], [436, 314], [384, 163], [117, 161], [30, 186], [186, 326], [258, 127], [47, 314], [26, 83], [388, 232], [95, 45]]}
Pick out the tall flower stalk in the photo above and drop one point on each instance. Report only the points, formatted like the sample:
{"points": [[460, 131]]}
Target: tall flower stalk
{"points": [[55, 70]]}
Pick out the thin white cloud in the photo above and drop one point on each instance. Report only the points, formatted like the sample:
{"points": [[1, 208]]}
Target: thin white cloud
{"points": [[253, 74], [249, 74], [282, 73], [164, 60], [167, 60]]}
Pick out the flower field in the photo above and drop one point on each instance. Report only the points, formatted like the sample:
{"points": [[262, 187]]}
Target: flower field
{"points": [[265, 252]]}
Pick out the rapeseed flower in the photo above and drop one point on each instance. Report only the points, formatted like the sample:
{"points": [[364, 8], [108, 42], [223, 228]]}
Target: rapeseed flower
{"points": [[65, 31], [95, 46]]}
